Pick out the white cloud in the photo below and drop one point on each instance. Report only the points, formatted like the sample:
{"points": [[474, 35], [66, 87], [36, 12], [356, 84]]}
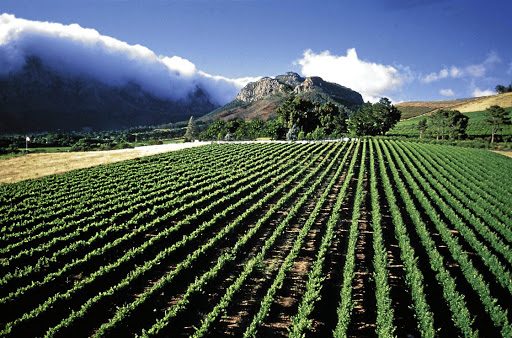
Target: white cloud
{"points": [[447, 92], [456, 72], [85, 52], [474, 71], [477, 92], [370, 79], [443, 73]]}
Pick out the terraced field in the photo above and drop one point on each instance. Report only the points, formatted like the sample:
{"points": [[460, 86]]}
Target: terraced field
{"points": [[359, 238]]}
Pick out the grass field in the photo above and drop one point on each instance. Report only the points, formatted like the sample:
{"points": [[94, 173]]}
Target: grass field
{"points": [[361, 238]]}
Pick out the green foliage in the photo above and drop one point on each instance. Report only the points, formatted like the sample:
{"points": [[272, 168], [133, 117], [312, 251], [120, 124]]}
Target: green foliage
{"points": [[422, 126], [448, 124], [500, 89], [274, 129], [496, 117], [300, 112], [307, 116], [374, 119], [216, 131], [319, 134], [244, 214]]}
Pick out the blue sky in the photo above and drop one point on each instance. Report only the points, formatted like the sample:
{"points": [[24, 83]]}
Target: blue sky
{"points": [[405, 50]]}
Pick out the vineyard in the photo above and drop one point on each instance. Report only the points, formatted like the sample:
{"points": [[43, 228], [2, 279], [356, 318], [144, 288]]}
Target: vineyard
{"points": [[361, 238]]}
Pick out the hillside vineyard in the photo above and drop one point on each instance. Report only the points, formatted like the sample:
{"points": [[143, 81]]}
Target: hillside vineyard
{"points": [[361, 238]]}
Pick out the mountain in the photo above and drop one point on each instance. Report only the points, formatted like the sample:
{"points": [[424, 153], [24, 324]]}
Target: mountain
{"points": [[260, 99], [38, 98]]}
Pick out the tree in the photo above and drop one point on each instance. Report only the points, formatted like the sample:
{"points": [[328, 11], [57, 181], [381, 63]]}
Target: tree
{"points": [[496, 117], [274, 129], [332, 119], [192, 133], [216, 131], [457, 125], [255, 129], [500, 89], [318, 134], [449, 124], [374, 119], [361, 123], [299, 112], [436, 121], [385, 116], [422, 127], [292, 133]]}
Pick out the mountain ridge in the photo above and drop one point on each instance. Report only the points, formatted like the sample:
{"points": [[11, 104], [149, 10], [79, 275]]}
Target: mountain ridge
{"points": [[260, 99], [39, 98]]}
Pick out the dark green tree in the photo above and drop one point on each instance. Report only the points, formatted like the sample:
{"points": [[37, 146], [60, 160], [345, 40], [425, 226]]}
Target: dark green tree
{"points": [[385, 116], [362, 122], [422, 127], [274, 129], [496, 117], [299, 112], [192, 133], [449, 124], [254, 129], [457, 125], [216, 131], [332, 119], [374, 119], [500, 89]]}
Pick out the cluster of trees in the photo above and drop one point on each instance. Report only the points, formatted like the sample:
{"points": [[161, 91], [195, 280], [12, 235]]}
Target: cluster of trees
{"points": [[500, 89], [451, 124], [238, 129], [445, 125], [374, 119], [302, 119]]}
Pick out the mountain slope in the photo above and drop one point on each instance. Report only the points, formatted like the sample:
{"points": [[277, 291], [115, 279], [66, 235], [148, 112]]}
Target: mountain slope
{"points": [[37, 98], [260, 99]]}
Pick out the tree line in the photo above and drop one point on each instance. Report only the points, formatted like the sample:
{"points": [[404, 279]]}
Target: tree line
{"points": [[302, 119], [447, 124], [500, 89]]}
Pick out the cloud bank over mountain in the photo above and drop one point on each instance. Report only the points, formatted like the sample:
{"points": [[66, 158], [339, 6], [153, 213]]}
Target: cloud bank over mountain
{"points": [[72, 49]]}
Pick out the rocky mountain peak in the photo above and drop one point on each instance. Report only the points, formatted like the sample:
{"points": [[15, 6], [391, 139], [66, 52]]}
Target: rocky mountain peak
{"points": [[292, 79], [260, 99], [262, 88]]}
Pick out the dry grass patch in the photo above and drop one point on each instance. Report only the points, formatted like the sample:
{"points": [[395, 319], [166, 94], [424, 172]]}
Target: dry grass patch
{"points": [[502, 152], [43, 164]]}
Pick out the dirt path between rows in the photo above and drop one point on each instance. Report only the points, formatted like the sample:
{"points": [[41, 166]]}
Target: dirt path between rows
{"points": [[43, 164]]}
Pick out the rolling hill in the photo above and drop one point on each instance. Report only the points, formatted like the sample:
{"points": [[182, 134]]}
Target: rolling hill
{"points": [[419, 108]]}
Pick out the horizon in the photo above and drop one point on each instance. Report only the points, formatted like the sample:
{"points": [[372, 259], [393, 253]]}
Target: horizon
{"points": [[228, 43]]}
